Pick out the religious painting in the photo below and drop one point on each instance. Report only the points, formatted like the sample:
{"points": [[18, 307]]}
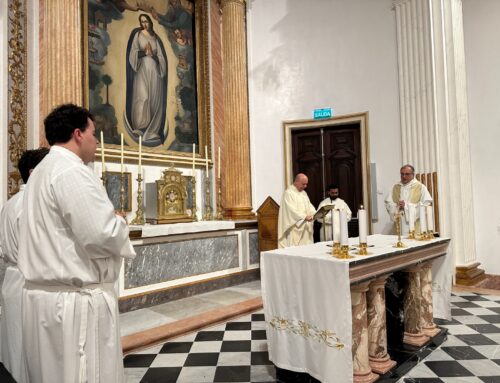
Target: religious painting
{"points": [[113, 186], [146, 74]]}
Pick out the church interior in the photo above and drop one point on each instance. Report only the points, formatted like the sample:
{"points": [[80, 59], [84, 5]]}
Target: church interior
{"points": [[251, 93]]}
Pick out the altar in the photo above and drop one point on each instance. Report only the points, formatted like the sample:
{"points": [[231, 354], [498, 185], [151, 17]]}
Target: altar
{"points": [[326, 316]]}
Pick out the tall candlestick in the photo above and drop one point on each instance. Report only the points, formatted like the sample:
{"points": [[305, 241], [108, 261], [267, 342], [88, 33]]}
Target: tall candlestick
{"points": [[193, 158], [206, 159], [344, 235], [218, 166], [121, 152], [362, 222], [140, 154], [102, 153], [336, 225]]}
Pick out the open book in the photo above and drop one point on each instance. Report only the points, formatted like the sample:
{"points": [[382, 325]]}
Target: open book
{"points": [[324, 210]]}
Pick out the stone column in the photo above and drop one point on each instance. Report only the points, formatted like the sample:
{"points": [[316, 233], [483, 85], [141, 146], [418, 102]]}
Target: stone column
{"points": [[380, 360], [412, 310], [237, 186], [427, 324], [362, 372]]}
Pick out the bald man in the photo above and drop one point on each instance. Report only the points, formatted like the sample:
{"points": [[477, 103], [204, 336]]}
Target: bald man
{"points": [[295, 223]]}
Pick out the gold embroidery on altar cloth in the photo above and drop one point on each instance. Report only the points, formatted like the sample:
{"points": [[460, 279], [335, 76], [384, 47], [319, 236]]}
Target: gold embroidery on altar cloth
{"points": [[306, 330]]}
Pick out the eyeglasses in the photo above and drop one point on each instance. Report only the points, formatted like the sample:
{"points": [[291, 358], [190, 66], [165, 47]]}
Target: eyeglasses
{"points": [[406, 174]]}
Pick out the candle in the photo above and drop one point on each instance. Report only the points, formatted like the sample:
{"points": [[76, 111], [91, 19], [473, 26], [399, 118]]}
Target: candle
{"points": [[344, 236], [218, 166], [423, 220], [411, 216], [336, 225], [362, 222], [102, 153], [140, 154], [206, 159], [193, 157], [121, 152], [430, 218]]}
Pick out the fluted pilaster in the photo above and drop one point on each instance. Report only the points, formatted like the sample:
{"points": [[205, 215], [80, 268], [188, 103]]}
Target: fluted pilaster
{"points": [[61, 55], [236, 183]]}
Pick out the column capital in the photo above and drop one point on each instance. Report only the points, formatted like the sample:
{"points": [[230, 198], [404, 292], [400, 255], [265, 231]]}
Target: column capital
{"points": [[224, 3]]}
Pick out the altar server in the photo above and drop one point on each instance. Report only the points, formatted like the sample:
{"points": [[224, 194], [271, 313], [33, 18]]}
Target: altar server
{"points": [[338, 203], [70, 251], [406, 195], [12, 287], [295, 221]]}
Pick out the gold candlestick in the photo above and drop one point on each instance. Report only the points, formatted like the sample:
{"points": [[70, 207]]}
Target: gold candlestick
{"points": [[363, 249], [397, 218], [343, 252], [219, 216], [139, 214], [122, 193], [208, 206], [193, 190], [411, 234], [430, 234]]}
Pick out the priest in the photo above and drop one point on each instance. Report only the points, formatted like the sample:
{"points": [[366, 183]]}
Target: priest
{"points": [[71, 248], [406, 195], [326, 233], [12, 287], [295, 221]]}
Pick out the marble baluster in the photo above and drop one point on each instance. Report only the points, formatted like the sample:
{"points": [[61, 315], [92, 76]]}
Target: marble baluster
{"points": [[412, 310], [429, 328], [380, 360], [362, 372]]}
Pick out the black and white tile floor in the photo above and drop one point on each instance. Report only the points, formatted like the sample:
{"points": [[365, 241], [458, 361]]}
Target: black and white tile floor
{"points": [[237, 351]]}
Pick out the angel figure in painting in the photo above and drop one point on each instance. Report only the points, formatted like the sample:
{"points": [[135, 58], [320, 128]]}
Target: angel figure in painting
{"points": [[147, 71]]}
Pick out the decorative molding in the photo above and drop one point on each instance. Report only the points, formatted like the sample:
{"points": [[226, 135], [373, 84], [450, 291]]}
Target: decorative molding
{"points": [[17, 91]]}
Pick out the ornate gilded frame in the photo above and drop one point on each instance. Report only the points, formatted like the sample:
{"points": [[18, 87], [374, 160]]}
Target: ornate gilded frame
{"points": [[155, 156]]}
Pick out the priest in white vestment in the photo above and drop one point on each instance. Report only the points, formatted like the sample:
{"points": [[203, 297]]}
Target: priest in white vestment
{"points": [[326, 233], [295, 221], [406, 195], [12, 287], [70, 250]]}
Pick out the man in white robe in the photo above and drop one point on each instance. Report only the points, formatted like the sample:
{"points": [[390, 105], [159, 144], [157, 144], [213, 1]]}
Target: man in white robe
{"points": [[406, 195], [295, 221], [70, 251], [326, 233], [12, 287]]}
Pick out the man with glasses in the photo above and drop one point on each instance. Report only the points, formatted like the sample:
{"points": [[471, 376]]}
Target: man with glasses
{"points": [[406, 195]]}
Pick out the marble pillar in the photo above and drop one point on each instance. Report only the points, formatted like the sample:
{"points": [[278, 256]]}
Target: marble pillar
{"points": [[380, 360], [427, 324], [236, 162], [413, 334], [362, 371]]}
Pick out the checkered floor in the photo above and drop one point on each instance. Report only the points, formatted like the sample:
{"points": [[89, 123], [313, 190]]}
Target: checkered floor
{"points": [[232, 352], [471, 352]]}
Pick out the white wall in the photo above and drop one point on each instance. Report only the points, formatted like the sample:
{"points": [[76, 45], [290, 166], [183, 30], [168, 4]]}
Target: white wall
{"points": [[482, 55], [322, 53]]}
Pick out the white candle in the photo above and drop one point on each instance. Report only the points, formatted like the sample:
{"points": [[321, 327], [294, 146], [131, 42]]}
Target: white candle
{"points": [[430, 218], [218, 166], [423, 220], [336, 225], [344, 235], [362, 222], [193, 157], [206, 159], [121, 152], [102, 153], [140, 154], [411, 217]]}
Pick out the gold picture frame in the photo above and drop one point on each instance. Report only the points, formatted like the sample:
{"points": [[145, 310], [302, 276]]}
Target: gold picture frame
{"points": [[106, 65]]}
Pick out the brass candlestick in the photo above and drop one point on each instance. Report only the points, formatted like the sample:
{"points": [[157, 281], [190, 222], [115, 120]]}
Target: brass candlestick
{"points": [[139, 214], [397, 219], [430, 234], [219, 216], [122, 193], [336, 249], [193, 190], [363, 249], [344, 253], [208, 206], [411, 234]]}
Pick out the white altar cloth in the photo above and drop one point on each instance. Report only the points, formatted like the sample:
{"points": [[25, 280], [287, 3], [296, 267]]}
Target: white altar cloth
{"points": [[307, 305], [182, 228]]}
